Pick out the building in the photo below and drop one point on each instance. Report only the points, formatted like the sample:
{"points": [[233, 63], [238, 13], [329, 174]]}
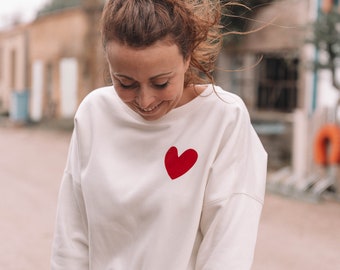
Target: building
{"points": [[55, 61], [289, 101], [13, 64]]}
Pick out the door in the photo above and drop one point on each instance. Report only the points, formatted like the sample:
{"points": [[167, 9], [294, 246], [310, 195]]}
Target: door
{"points": [[37, 90], [68, 87]]}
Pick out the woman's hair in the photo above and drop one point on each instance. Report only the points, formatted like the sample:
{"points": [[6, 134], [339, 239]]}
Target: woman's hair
{"points": [[193, 25]]}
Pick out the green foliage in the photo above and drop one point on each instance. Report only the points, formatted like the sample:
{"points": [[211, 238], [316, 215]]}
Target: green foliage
{"points": [[325, 36], [57, 5]]}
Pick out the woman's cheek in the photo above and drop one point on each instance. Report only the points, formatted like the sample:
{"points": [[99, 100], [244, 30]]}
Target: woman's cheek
{"points": [[126, 95]]}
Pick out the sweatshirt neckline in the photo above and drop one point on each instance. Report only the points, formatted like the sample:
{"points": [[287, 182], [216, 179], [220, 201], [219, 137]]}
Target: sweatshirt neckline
{"points": [[171, 115]]}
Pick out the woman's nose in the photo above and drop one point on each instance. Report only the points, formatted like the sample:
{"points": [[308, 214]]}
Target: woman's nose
{"points": [[145, 98]]}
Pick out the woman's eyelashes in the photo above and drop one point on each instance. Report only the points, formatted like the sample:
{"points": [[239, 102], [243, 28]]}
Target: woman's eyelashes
{"points": [[128, 86], [161, 85], [136, 85]]}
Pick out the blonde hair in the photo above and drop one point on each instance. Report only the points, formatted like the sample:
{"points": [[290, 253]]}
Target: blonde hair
{"points": [[193, 25]]}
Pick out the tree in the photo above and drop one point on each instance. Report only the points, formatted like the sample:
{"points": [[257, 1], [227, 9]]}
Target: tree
{"points": [[56, 5], [325, 36]]}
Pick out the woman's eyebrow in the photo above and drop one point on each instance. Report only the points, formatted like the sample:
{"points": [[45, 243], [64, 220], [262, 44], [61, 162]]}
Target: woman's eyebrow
{"points": [[160, 75], [152, 78], [123, 76]]}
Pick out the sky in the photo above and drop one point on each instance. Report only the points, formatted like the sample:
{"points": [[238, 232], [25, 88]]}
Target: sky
{"points": [[24, 9]]}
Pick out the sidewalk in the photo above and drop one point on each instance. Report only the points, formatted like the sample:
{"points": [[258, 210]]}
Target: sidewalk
{"points": [[293, 235], [296, 235]]}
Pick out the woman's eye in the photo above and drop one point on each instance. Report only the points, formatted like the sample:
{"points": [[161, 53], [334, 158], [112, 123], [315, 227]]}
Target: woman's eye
{"points": [[161, 86], [127, 86]]}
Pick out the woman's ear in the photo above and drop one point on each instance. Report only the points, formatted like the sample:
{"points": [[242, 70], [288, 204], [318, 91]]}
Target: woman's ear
{"points": [[187, 63]]}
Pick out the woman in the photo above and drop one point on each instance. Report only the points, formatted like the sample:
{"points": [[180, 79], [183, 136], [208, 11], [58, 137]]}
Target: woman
{"points": [[164, 170]]}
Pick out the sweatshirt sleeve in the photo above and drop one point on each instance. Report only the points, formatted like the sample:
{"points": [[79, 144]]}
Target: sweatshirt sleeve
{"points": [[70, 243], [233, 199]]}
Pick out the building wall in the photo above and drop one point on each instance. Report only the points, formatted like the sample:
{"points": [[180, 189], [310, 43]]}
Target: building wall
{"points": [[57, 35], [283, 24], [13, 64], [279, 29], [38, 56], [278, 33], [52, 39], [288, 136]]}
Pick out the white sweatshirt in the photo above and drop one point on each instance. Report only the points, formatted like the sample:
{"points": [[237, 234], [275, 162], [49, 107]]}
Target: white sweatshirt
{"points": [[183, 192]]}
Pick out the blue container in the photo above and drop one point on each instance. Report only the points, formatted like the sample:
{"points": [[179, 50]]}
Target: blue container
{"points": [[19, 106]]}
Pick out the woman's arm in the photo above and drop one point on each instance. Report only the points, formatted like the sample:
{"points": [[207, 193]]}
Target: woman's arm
{"points": [[233, 199], [70, 244]]}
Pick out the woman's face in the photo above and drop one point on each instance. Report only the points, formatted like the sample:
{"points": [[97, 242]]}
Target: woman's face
{"points": [[149, 80]]}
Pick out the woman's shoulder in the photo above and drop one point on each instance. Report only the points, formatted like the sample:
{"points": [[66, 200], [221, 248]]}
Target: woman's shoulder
{"points": [[223, 99], [97, 99], [227, 96], [228, 107], [97, 95]]}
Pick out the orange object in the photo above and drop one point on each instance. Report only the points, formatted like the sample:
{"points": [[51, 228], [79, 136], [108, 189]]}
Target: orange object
{"points": [[327, 145], [327, 5]]}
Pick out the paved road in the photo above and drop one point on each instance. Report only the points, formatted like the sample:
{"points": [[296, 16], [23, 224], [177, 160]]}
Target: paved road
{"points": [[31, 164], [293, 235]]}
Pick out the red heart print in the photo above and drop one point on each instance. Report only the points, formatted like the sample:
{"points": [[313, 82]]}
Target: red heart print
{"points": [[176, 165]]}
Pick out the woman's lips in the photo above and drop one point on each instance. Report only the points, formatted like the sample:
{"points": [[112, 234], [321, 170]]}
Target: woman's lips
{"points": [[149, 109]]}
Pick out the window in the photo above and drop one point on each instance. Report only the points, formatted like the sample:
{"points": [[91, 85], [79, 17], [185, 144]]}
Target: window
{"points": [[277, 87]]}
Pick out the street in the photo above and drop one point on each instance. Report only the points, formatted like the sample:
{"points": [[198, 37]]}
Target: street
{"points": [[293, 235]]}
